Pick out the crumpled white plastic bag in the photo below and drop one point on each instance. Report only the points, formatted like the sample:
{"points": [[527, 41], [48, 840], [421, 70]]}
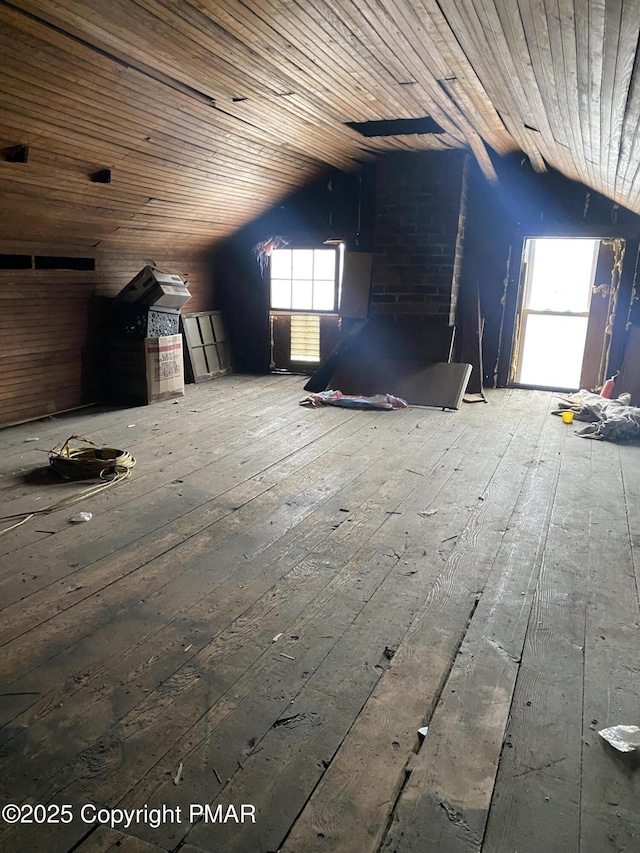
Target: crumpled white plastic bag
{"points": [[623, 738], [81, 516]]}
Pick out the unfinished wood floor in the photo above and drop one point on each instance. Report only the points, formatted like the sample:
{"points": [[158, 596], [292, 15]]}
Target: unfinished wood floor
{"points": [[471, 571]]}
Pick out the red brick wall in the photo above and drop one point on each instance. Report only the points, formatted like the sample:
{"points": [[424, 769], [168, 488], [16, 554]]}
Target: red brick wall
{"points": [[419, 235]]}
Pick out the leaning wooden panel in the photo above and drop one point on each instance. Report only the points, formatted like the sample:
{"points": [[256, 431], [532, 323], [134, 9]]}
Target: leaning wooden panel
{"points": [[420, 383], [207, 346]]}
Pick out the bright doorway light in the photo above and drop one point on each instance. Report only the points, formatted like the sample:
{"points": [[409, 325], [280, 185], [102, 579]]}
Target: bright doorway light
{"points": [[559, 275]]}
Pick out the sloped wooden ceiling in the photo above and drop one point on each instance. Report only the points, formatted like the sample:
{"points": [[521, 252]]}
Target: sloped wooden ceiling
{"points": [[208, 111]]}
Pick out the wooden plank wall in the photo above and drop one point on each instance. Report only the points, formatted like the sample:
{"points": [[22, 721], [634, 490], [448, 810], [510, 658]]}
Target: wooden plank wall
{"points": [[184, 172], [253, 100], [53, 332], [223, 108]]}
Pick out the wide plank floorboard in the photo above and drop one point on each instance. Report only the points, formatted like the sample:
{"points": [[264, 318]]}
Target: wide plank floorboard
{"points": [[278, 598]]}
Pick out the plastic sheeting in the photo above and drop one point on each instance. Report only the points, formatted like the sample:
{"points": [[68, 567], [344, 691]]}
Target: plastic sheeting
{"points": [[612, 420]]}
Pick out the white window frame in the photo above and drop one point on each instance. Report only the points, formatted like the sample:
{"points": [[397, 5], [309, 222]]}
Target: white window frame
{"points": [[336, 279]]}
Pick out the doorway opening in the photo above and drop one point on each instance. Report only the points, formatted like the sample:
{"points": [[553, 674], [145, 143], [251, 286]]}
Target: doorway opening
{"points": [[564, 312]]}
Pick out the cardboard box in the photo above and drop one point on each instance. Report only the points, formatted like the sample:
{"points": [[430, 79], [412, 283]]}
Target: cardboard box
{"points": [[165, 368], [148, 371], [153, 287]]}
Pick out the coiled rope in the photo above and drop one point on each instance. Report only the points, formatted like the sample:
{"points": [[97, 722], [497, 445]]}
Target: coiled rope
{"points": [[81, 463], [86, 463]]}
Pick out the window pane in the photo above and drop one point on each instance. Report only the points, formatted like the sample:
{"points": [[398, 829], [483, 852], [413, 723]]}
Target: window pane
{"points": [[323, 295], [302, 263], [561, 275], [301, 298], [324, 261], [303, 279], [280, 293], [281, 263], [552, 351]]}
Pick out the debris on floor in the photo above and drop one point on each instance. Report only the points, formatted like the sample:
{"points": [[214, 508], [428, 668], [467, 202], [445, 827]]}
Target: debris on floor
{"points": [[622, 738], [354, 401], [404, 353], [105, 464], [82, 516], [612, 420]]}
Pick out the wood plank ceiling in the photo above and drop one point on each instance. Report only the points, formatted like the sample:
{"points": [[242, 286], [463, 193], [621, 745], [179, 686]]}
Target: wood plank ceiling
{"points": [[209, 111]]}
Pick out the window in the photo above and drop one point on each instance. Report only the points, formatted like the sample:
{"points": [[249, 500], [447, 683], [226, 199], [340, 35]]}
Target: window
{"points": [[304, 279], [559, 274]]}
